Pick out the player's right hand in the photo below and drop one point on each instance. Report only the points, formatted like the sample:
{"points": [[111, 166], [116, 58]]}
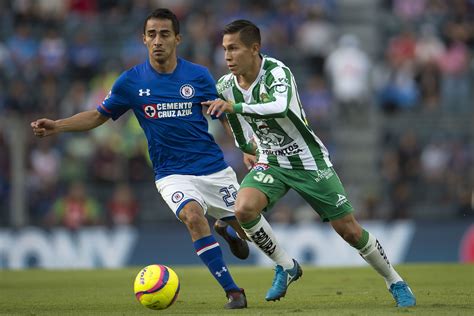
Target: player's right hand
{"points": [[43, 127]]}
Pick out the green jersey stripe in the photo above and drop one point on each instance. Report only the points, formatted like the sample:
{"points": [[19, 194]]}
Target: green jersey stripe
{"points": [[312, 144], [296, 162]]}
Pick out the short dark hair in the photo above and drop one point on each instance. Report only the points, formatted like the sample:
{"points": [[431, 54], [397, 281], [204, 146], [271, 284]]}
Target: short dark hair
{"points": [[249, 32], [163, 14]]}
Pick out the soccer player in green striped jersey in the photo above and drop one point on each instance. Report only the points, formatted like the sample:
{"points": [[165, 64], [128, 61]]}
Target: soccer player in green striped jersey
{"points": [[261, 100]]}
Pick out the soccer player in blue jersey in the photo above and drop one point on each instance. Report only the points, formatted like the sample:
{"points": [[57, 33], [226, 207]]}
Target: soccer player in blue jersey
{"points": [[165, 94]]}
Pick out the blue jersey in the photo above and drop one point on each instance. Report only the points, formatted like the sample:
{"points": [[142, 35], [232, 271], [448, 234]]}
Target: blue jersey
{"points": [[168, 108]]}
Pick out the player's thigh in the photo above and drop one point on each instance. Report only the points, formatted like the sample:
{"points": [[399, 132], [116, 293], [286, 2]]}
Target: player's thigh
{"points": [[323, 190], [179, 190], [268, 180], [219, 191]]}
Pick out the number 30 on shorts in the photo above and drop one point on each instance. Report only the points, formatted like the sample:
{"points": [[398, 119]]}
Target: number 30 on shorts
{"points": [[229, 195], [264, 178]]}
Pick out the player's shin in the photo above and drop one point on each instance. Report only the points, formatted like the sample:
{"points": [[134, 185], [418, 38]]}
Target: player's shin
{"points": [[373, 253], [208, 249], [261, 233]]}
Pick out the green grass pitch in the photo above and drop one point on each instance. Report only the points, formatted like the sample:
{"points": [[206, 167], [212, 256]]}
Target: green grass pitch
{"points": [[439, 289]]}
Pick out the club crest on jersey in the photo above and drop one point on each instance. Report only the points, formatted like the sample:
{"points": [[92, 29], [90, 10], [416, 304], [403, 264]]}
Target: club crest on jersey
{"points": [[142, 92], [186, 91], [177, 197], [260, 167], [150, 111]]}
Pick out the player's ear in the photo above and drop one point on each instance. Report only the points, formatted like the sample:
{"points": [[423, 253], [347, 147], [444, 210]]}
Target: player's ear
{"points": [[255, 48], [144, 39], [178, 39]]}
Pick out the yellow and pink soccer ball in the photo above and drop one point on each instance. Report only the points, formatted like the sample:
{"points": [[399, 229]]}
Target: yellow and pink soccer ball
{"points": [[156, 286]]}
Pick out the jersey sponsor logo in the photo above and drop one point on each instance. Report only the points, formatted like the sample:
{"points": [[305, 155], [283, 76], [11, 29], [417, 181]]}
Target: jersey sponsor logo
{"points": [[186, 91], [291, 150], [177, 197], [341, 199], [143, 92], [260, 166], [165, 110]]}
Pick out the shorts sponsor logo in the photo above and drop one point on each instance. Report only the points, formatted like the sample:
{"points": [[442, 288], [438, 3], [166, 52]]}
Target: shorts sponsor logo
{"points": [[260, 167], [341, 199], [177, 196], [323, 174], [186, 91]]}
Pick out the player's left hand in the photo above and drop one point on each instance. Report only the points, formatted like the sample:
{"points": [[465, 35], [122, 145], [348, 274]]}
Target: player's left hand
{"points": [[218, 106], [249, 160]]}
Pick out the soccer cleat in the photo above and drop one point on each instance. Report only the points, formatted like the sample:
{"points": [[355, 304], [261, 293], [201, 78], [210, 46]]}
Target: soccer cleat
{"points": [[237, 299], [282, 279], [239, 247], [402, 294]]}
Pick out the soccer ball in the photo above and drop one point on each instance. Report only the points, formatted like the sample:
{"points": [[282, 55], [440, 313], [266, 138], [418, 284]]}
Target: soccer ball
{"points": [[156, 286]]}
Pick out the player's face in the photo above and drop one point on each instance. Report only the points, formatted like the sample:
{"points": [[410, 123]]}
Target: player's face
{"points": [[160, 39], [239, 58]]}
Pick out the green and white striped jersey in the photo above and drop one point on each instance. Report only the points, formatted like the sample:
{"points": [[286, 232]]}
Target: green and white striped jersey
{"points": [[270, 113]]}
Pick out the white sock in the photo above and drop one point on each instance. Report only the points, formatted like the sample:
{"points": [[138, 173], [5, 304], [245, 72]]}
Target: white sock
{"points": [[261, 234], [375, 255]]}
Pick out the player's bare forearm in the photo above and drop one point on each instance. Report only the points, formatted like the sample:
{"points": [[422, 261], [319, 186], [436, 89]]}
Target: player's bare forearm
{"points": [[226, 125], [83, 121], [218, 106]]}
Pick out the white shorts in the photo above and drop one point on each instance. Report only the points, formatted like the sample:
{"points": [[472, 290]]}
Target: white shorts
{"points": [[216, 193]]}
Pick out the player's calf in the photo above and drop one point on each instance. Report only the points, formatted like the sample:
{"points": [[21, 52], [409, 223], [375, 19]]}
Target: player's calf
{"points": [[238, 246]]}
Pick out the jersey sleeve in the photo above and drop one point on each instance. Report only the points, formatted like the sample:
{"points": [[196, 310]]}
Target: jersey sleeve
{"points": [[243, 133], [276, 103], [116, 102]]}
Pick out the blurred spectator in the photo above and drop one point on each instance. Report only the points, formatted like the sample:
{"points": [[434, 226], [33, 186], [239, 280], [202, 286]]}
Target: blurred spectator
{"points": [[315, 40], [349, 69], [122, 207], [454, 64], [84, 56], [75, 209], [429, 49], [52, 53], [45, 162], [317, 100]]}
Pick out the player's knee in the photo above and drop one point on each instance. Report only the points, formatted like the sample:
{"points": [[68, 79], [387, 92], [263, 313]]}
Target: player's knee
{"points": [[245, 212], [192, 217]]}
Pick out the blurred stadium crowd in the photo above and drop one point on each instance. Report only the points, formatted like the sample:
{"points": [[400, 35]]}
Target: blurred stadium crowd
{"points": [[400, 73]]}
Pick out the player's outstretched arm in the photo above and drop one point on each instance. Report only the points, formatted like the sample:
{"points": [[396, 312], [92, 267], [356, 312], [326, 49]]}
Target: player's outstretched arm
{"points": [[82, 121]]}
